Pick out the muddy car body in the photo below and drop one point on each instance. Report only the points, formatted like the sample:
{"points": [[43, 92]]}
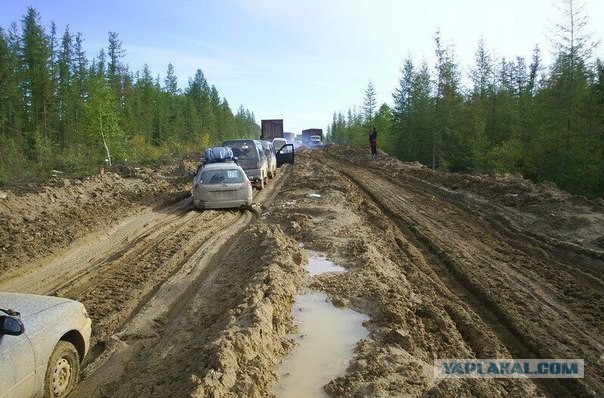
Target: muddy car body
{"points": [[269, 151], [221, 186], [43, 341], [252, 159]]}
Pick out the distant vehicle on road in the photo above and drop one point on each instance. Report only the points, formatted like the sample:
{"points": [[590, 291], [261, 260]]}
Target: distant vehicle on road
{"points": [[312, 137], [252, 159], [43, 341], [284, 151], [271, 128], [278, 143]]}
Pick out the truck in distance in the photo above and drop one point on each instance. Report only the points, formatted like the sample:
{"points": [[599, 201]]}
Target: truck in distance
{"points": [[312, 137], [271, 128]]}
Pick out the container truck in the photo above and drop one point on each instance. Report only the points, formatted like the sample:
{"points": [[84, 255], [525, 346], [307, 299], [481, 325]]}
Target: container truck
{"points": [[271, 128], [312, 137]]}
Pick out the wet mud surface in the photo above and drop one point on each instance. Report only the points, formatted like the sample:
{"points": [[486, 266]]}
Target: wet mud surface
{"points": [[199, 304]]}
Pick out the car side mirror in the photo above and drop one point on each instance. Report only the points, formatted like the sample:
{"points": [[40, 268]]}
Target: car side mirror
{"points": [[11, 326]]}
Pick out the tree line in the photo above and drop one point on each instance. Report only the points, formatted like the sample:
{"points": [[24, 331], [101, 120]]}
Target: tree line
{"points": [[61, 110], [517, 116]]}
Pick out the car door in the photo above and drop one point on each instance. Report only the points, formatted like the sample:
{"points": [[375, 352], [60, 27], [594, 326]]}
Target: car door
{"points": [[285, 155], [17, 367]]}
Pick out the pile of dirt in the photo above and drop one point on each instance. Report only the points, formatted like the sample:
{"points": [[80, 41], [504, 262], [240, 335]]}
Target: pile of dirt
{"points": [[255, 337], [541, 208], [38, 222]]}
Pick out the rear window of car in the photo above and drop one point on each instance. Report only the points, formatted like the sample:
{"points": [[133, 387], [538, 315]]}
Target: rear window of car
{"points": [[242, 150], [278, 143], [226, 176]]}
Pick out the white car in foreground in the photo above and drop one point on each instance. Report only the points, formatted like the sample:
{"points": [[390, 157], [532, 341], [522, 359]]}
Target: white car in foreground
{"points": [[43, 341]]}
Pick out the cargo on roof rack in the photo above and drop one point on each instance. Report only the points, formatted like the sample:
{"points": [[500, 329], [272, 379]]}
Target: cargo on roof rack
{"points": [[218, 154]]}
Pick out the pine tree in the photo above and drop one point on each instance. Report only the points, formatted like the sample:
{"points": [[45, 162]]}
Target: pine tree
{"points": [[421, 116], [116, 53], [144, 91], [11, 104], [369, 104], [482, 74], [227, 120], [175, 125], [563, 147], [447, 150], [35, 54], [171, 82], [401, 135], [64, 87]]}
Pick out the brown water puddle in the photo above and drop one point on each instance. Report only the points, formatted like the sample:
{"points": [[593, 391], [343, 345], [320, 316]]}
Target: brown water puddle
{"points": [[326, 339]]}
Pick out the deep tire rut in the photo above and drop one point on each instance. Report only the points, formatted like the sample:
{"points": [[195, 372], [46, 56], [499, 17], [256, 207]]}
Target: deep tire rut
{"points": [[459, 247]]}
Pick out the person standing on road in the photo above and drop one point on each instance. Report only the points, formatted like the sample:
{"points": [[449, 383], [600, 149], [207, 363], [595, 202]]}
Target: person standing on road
{"points": [[373, 141]]}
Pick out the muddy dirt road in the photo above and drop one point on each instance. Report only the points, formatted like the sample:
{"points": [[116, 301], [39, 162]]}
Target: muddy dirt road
{"points": [[198, 304]]}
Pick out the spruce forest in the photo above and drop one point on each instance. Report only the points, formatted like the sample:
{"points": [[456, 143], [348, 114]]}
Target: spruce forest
{"points": [[517, 116], [61, 111]]}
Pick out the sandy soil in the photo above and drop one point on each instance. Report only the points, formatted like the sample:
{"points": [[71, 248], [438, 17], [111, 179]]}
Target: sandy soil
{"points": [[198, 304]]}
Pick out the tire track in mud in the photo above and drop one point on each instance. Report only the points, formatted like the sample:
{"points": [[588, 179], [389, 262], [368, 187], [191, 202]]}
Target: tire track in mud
{"points": [[581, 269], [120, 289], [133, 274], [587, 263], [476, 263], [152, 275], [193, 308], [115, 276], [90, 254], [389, 280], [151, 319]]}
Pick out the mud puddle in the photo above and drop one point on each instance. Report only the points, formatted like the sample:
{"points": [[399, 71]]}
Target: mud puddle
{"points": [[318, 264], [325, 339]]}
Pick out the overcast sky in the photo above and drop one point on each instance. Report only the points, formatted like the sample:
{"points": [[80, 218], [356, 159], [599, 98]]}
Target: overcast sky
{"points": [[302, 60]]}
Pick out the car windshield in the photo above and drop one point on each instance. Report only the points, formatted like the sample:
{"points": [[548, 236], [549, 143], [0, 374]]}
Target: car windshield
{"points": [[229, 176]]}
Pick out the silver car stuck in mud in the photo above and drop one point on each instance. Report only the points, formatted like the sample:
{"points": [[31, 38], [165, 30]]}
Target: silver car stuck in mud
{"points": [[43, 341]]}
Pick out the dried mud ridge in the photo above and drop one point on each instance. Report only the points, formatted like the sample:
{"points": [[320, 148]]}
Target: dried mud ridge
{"points": [[197, 304]]}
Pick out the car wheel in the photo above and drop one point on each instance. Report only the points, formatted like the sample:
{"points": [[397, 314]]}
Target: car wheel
{"points": [[62, 372], [260, 184]]}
